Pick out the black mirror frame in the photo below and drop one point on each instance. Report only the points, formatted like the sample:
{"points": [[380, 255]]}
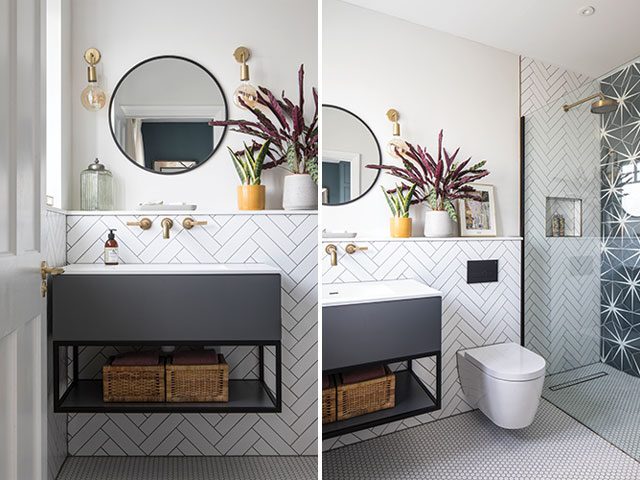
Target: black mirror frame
{"points": [[160, 57], [375, 139]]}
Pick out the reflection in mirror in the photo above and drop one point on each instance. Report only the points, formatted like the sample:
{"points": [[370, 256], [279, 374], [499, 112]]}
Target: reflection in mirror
{"points": [[348, 145], [160, 111]]}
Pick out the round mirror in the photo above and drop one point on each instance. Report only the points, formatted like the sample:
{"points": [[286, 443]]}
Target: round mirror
{"points": [[348, 145], [160, 112]]}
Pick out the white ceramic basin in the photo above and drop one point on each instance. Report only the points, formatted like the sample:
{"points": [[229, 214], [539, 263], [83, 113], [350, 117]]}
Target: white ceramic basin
{"points": [[370, 292], [169, 269]]}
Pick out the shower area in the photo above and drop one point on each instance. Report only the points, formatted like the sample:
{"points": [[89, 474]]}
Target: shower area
{"points": [[581, 226]]}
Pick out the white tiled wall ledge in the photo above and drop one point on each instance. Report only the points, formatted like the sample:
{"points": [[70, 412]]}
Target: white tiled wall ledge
{"points": [[141, 213], [418, 239]]}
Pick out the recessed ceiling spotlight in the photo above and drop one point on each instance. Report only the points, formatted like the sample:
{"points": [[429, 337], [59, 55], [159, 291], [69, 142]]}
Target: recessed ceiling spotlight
{"points": [[586, 11]]}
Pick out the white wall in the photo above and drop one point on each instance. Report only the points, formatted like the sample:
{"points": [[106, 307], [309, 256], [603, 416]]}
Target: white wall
{"points": [[282, 34], [58, 153], [373, 62]]}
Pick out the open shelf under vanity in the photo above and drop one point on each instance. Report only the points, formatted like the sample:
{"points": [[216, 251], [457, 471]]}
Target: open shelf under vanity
{"points": [[413, 398], [244, 396], [252, 395]]}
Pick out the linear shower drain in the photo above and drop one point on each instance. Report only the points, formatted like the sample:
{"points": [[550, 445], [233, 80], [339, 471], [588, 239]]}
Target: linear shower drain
{"points": [[579, 380]]}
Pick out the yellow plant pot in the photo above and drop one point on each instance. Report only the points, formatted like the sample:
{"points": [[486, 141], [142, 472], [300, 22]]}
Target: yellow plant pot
{"points": [[251, 197], [400, 227]]}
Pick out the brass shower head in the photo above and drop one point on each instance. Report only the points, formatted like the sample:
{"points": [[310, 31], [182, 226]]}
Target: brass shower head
{"points": [[600, 106]]}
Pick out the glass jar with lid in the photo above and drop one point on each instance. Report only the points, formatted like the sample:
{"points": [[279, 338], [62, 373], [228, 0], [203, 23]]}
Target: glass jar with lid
{"points": [[96, 188]]}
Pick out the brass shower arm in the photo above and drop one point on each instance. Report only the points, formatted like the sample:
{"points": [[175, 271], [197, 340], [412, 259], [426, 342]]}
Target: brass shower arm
{"points": [[567, 107]]}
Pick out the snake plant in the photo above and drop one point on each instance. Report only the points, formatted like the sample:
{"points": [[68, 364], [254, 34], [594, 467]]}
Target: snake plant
{"points": [[398, 202], [248, 165]]}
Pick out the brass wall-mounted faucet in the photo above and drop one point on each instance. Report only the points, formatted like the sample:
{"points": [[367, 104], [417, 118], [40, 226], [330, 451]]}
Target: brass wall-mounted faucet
{"points": [[167, 225], [353, 248], [189, 223], [332, 250], [144, 223]]}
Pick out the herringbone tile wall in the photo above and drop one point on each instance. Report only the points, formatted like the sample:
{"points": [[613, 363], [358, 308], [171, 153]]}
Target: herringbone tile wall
{"points": [[55, 253], [287, 241], [542, 84], [562, 285], [472, 314]]}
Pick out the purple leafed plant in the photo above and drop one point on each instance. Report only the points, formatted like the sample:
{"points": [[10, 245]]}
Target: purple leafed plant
{"points": [[438, 181], [293, 141]]}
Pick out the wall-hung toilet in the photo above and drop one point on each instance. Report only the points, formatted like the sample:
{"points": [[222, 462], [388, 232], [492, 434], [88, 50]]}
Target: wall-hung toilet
{"points": [[504, 381]]}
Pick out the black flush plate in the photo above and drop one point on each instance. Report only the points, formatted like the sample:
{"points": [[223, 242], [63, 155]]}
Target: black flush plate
{"points": [[482, 271]]}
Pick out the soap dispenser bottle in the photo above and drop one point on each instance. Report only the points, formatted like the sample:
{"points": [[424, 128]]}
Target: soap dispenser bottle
{"points": [[111, 249]]}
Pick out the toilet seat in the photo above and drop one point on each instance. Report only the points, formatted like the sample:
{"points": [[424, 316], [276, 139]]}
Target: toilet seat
{"points": [[507, 361]]}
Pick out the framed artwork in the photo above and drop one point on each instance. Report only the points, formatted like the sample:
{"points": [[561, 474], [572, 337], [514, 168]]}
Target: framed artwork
{"points": [[173, 166], [478, 217]]}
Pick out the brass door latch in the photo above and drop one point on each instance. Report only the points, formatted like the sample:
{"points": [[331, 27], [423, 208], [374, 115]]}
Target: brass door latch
{"points": [[46, 270]]}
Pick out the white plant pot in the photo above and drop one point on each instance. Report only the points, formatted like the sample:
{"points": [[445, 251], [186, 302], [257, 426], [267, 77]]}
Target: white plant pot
{"points": [[438, 224], [300, 192]]}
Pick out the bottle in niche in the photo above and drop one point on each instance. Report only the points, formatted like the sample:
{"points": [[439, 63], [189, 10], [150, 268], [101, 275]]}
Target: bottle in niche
{"points": [[561, 225], [111, 249], [555, 225]]}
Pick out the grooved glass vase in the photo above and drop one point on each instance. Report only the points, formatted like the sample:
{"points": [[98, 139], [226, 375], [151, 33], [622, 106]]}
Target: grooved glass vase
{"points": [[96, 188]]}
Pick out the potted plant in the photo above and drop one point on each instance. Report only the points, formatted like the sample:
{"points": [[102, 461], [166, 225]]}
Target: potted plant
{"points": [[294, 143], [251, 194], [399, 203], [438, 182]]}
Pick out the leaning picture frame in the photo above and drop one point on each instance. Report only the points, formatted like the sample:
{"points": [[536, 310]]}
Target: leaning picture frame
{"points": [[478, 218]]}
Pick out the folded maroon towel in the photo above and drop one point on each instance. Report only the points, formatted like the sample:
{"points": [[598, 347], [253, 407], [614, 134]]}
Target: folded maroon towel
{"points": [[138, 359], [195, 357], [325, 381], [363, 374]]}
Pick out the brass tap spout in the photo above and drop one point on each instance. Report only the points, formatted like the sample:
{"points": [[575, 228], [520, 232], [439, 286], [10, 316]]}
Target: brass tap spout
{"points": [[167, 225], [332, 250]]}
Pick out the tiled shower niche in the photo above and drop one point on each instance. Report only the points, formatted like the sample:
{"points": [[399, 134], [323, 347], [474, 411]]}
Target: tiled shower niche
{"points": [[569, 210]]}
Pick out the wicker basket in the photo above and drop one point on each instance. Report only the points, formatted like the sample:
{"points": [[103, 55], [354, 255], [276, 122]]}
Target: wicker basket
{"points": [[198, 383], [329, 402], [366, 397], [133, 383]]}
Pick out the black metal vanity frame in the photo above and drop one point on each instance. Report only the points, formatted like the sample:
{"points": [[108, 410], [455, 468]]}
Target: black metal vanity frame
{"points": [[361, 335], [254, 324]]}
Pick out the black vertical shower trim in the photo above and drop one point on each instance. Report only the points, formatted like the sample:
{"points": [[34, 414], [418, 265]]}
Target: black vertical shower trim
{"points": [[522, 230]]}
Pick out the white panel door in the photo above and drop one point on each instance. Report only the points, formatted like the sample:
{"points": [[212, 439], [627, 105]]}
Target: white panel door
{"points": [[22, 320]]}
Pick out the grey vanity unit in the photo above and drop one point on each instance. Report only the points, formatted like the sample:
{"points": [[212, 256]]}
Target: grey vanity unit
{"points": [[155, 305], [368, 323]]}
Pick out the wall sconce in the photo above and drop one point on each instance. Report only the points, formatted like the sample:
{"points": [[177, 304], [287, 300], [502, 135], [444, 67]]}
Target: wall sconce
{"points": [[396, 142], [245, 91], [93, 97]]}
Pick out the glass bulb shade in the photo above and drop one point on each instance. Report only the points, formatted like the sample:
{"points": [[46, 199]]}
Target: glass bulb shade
{"points": [[93, 97], [248, 93], [396, 143]]}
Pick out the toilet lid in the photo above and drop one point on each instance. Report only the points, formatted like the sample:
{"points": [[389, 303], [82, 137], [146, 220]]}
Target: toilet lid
{"points": [[507, 361]]}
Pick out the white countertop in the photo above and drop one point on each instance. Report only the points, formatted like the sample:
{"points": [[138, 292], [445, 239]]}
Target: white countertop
{"points": [[184, 213], [169, 269], [372, 292], [382, 238]]}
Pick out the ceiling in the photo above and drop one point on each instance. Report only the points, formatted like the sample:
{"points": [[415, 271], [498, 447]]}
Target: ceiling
{"points": [[547, 30]]}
